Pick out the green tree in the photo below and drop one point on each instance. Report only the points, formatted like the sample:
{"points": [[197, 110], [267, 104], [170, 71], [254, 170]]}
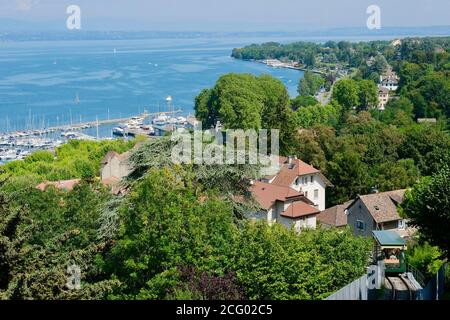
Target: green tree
{"points": [[368, 94], [434, 90], [166, 225], [396, 175], [39, 241], [346, 93], [235, 101], [380, 64], [307, 117], [350, 176], [303, 101], [244, 101], [426, 258], [427, 205], [428, 146], [398, 112], [310, 84], [323, 260]]}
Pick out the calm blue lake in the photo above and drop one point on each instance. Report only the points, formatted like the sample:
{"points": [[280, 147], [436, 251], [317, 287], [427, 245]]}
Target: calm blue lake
{"points": [[39, 81]]}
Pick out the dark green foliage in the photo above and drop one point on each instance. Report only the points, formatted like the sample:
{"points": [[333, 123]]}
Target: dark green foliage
{"points": [[427, 206], [41, 235], [303, 101], [165, 225], [311, 265], [428, 146], [181, 231], [231, 179], [365, 153], [307, 117], [310, 84], [244, 101], [346, 93], [426, 258]]}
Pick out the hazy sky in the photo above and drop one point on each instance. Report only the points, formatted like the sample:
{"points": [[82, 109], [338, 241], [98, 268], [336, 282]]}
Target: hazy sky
{"points": [[205, 15]]}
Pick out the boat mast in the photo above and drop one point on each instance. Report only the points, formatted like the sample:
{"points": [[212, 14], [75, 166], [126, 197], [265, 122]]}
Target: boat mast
{"points": [[96, 118]]}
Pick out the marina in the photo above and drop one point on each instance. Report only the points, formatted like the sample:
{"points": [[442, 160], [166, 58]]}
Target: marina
{"points": [[19, 144]]}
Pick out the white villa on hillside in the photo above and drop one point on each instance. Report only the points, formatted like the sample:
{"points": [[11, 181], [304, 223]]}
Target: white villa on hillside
{"points": [[302, 177], [293, 197], [283, 205], [389, 80]]}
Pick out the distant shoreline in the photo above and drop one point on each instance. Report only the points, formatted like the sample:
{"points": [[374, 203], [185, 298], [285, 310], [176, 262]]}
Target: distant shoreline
{"points": [[282, 65], [10, 32]]}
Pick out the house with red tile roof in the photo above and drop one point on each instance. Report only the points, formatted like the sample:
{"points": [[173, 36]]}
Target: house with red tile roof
{"points": [[302, 177], [280, 204]]}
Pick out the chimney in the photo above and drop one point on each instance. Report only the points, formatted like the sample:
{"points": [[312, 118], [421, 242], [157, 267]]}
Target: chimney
{"points": [[290, 158]]}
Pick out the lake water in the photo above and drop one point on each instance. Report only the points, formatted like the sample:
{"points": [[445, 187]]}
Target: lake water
{"points": [[39, 81]]}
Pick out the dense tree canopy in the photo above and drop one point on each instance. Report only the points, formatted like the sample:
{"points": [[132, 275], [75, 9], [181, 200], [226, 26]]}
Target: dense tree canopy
{"points": [[346, 93], [310, 84], [364, 153], [244, 101], [427, 206], [42, 234]]}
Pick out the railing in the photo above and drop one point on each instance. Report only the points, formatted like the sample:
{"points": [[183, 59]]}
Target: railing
{"points": [[420, 278], [435, 287]]}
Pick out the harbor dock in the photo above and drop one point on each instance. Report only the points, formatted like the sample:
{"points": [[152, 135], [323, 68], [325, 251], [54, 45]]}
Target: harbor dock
{"points": [[19, 144]]}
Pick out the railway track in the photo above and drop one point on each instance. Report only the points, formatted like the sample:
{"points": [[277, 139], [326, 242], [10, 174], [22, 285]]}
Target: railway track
{"points": [[401, 288]]}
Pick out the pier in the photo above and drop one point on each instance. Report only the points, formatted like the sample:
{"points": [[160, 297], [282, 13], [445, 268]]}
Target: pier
{"points": [[19, 144], [85, 125]]}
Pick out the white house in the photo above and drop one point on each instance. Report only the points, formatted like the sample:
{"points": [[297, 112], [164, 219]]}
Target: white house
{"points": [[283, 205], [383, 97], [301, 177], [389, 80]]}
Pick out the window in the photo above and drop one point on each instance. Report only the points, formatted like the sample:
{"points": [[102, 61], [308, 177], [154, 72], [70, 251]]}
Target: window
{"points": [[306, 194], [360, 225], [316, 194], [312, 179]]}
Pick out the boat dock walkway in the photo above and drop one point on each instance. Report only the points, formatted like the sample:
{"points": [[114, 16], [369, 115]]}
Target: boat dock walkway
{"points": [[88, 124], [111, 121]]}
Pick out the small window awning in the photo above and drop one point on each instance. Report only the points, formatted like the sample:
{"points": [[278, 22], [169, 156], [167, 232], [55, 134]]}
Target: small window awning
{"points": [[389, 239]]}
